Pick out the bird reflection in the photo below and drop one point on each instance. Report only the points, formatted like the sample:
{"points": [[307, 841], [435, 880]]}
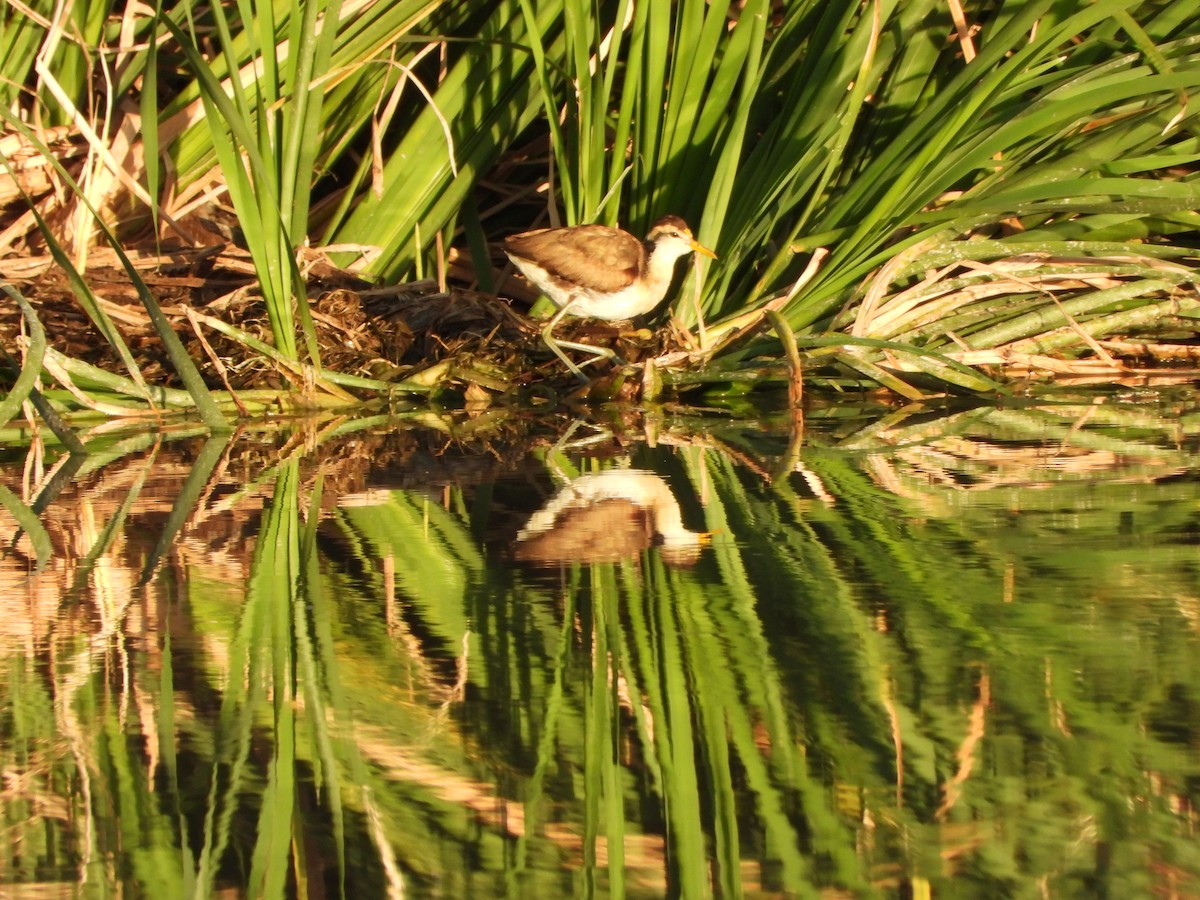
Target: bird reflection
{"points": [[606, 517]]}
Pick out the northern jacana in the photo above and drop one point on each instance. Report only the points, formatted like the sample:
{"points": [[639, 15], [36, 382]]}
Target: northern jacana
{"points": [[598, 272], [606, 517]]}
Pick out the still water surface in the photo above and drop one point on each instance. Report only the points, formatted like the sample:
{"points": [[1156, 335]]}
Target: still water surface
{"points": [[918, 654]]}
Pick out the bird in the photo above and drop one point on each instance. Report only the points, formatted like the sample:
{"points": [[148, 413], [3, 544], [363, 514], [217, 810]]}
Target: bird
{"points": [[600, 272], [609, 516]]}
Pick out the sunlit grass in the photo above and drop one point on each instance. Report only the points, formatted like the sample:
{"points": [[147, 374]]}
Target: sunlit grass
{"points": [[879, 175]]}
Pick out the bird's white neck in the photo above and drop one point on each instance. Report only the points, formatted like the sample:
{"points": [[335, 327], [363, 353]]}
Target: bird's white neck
{"points": [[660, 263]]}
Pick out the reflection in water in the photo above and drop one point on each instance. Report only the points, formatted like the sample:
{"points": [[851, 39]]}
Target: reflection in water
{"points": [[609, 516], [974, 674]]}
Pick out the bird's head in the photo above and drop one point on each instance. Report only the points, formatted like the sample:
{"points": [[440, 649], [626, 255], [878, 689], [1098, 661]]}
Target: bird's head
{"points": [[672, 238]]}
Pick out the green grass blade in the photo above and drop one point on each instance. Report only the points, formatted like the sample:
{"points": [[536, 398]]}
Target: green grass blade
{"points": [[27, 374], [28, 522], [185, 502]]}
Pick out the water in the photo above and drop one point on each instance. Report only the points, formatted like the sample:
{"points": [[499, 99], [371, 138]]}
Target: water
{"points": [[924, 654]]}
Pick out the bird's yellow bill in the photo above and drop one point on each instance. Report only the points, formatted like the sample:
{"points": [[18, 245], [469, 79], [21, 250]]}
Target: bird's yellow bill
{"points": [[701, 249]]}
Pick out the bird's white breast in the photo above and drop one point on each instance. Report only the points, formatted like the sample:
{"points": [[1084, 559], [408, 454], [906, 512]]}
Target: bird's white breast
{"points": [[634, 300]]}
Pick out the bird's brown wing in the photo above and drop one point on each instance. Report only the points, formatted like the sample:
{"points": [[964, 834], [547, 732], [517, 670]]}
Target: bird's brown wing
{"points": [[606, 531], [602, 258]]}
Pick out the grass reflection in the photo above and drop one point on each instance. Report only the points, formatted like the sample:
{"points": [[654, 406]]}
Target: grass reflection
{"points": [[935, 656], [683, 738]]}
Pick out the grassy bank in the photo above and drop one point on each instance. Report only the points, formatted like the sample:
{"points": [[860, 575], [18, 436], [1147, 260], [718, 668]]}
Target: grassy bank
{"points": [[920, 196]]}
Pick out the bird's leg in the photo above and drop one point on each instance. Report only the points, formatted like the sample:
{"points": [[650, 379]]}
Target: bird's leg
{"points": [[549, 341], [557, 345], [564, 443], [596, 352]]}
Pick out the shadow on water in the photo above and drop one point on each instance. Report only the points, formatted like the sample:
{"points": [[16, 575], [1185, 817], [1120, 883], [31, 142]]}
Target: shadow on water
{"points": [[903, 654]]}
